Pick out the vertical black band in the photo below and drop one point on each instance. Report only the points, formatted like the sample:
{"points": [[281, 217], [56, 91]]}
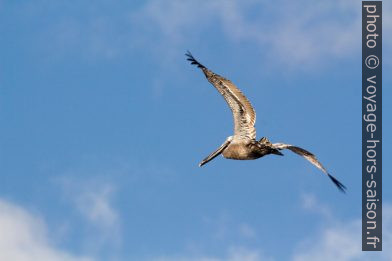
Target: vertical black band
{"points": [[371, 126]]}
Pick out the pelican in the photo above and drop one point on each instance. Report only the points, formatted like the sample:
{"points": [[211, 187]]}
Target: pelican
{"points": [[243, 144]]}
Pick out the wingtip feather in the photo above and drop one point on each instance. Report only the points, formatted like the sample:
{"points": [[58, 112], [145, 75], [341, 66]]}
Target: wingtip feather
{"points": [[193, 60], [338, 184]]}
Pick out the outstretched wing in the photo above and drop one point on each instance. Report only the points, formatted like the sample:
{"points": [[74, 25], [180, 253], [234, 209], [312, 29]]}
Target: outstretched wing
{"points": [[312, 158], [243, 113]]}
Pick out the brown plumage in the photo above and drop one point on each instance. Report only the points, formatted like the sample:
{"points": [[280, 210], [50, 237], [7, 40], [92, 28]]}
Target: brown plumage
{"points": [[243, 144]]}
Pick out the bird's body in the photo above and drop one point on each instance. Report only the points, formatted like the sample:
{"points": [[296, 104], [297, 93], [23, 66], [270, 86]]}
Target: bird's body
{"points": [[241, 150], [248, 150], [243, 144]]}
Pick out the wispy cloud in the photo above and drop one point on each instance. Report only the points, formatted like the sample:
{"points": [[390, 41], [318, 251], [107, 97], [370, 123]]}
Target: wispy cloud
{"points": [[246, 231], [95, 205], [24, 237], [310, 202], [223, 227], [233, 254], [94, 37], [292, 33], [342, 239], [336, 240], [295, 34], [93, 200]]}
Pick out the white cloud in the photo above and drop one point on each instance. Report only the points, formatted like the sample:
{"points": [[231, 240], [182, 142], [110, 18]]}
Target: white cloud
{"points": [[223, 227], [93, 201], [298, 33], [244, 254], [23, 237], [95, 205], [310, 202], [246, 231], [295, 34], [338, 240], [292, 33], [341, 241], [308, 33], [233, 254]]}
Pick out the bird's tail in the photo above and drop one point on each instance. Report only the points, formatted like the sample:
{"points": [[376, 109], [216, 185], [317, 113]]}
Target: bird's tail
{"points": [[265, 141], [277, 152]]}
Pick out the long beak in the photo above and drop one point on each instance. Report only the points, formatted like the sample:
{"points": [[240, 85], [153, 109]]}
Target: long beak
{"points": [[215, 153]]}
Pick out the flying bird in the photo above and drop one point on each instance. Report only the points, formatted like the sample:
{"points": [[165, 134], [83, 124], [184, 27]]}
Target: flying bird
{"points": [[243, 144]]}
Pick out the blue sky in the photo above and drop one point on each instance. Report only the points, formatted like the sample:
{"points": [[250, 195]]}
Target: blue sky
{"points": [[105, 122]]}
